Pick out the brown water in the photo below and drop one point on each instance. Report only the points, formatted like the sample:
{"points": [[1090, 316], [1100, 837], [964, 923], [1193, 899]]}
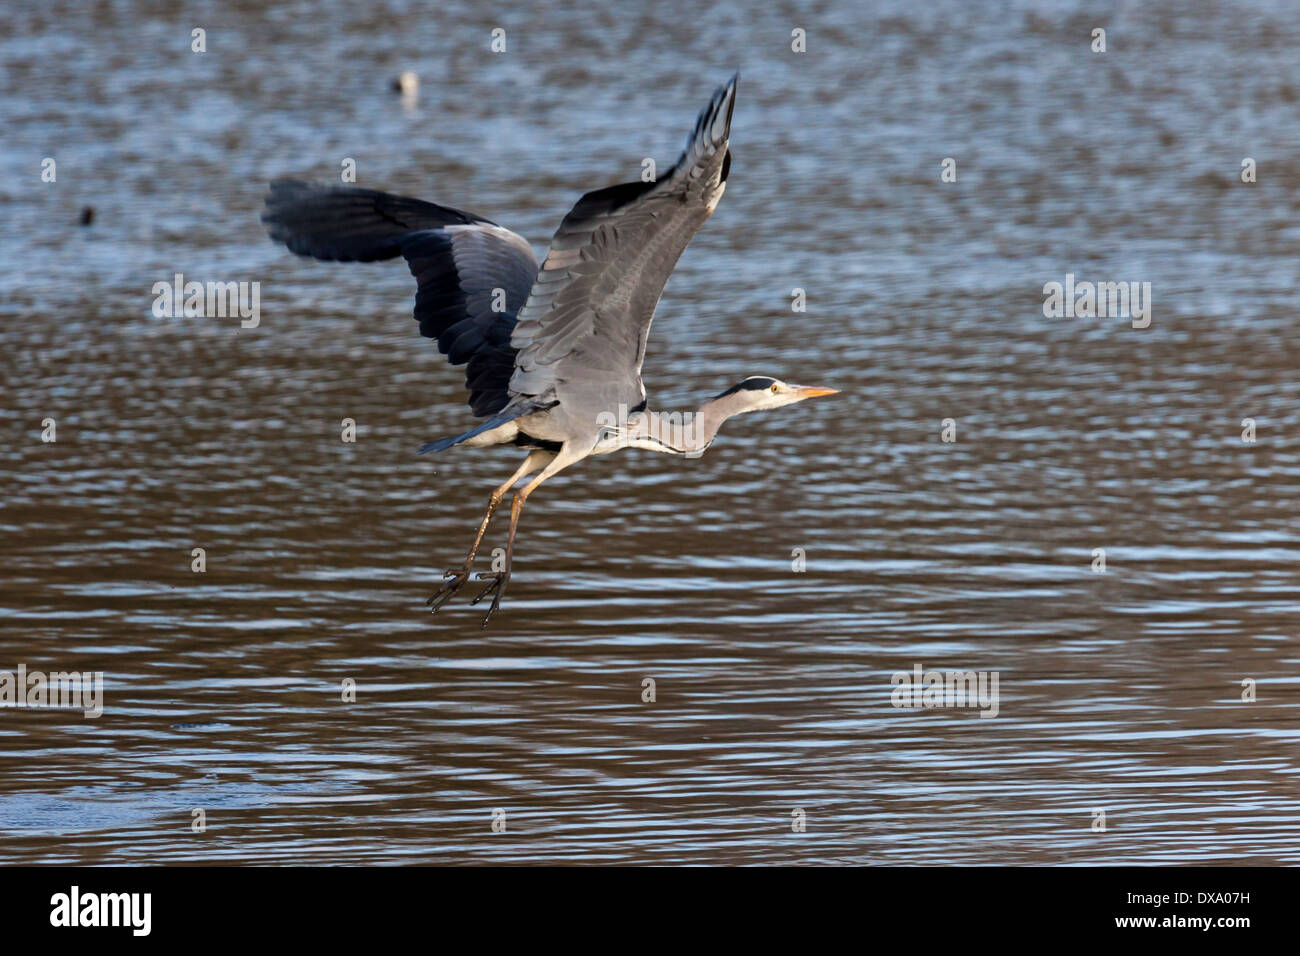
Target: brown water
{"points": [[1118, 691]]}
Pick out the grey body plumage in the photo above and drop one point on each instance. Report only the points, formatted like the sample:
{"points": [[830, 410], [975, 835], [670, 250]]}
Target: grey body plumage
{"points": [[553, 353]]}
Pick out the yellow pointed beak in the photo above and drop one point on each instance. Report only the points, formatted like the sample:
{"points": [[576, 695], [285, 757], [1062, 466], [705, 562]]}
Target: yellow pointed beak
{"points": [[813, 391]]}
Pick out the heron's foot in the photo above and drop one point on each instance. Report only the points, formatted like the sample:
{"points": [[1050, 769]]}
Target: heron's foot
{"points": [[452, 581], [496, 586]]}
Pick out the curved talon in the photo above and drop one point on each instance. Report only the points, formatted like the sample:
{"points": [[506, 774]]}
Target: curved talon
{"points": [[453, 581], [497, 587], [495, 576]]}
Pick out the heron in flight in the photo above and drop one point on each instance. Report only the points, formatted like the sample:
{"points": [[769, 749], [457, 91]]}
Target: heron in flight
{"points": [[552, 353]]}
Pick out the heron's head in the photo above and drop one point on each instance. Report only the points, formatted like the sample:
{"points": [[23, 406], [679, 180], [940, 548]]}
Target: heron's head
{"points": [[761, 391]]}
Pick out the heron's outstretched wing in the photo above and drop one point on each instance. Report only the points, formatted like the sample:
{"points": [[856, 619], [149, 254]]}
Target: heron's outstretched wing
{"points": [[589, 311], [473, 275]]}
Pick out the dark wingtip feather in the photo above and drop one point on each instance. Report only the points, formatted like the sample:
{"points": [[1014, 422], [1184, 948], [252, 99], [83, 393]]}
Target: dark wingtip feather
{"points": [[348, 223], [731, 85]]}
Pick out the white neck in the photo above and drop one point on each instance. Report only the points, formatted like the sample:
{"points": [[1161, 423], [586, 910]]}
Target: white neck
{"points": [[683, 433]]}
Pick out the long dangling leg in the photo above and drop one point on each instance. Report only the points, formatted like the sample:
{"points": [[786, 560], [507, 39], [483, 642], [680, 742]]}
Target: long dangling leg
{"points": [[454, 579], [497, 580]]}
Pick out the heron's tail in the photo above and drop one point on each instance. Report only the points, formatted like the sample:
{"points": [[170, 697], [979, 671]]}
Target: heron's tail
{"points": [[508, 414]]}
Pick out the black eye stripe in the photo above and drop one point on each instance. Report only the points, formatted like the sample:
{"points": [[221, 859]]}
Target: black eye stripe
{"points": [[758, 383]]}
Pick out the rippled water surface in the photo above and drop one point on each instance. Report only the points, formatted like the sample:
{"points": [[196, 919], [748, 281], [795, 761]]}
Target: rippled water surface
{"points": [[1119, 691]]}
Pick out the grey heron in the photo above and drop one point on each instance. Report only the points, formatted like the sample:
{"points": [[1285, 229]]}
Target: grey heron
{"points": [[553, 353]]}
